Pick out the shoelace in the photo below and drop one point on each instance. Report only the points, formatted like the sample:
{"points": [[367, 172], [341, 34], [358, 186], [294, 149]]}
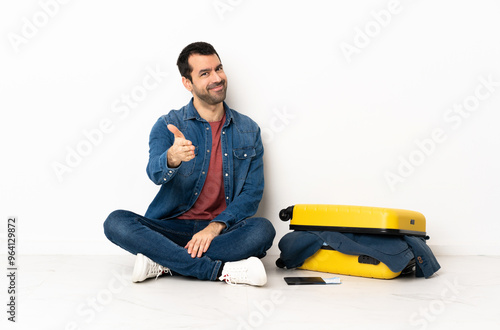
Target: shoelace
{"points": [[227, 278], [157, 269], [235, 276]]}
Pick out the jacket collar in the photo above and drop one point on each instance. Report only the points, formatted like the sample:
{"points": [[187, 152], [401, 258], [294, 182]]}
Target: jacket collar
{"points": [[192, 113]]}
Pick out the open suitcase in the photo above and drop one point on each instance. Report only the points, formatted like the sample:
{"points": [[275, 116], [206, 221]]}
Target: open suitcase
{"points": [[353, 219]]}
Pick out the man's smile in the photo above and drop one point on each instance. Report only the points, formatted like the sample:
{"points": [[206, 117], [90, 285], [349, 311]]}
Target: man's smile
{"points": [[217, 87]]}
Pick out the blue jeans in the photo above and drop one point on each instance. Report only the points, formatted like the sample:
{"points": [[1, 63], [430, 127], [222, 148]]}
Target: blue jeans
{"points": [[163, 241]]}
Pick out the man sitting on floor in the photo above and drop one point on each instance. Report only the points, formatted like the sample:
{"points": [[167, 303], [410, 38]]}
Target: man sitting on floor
{"points": [[208, 160]]}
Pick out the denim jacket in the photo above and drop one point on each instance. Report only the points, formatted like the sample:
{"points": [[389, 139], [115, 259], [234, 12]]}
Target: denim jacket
{"points": [[242, 165]]}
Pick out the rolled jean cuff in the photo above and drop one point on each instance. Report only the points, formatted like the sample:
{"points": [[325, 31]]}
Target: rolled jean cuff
{"points": [[215, 271]]}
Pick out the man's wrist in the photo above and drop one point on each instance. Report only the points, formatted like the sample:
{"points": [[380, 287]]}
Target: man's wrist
{"points": [[218, 226], [172, 163]]}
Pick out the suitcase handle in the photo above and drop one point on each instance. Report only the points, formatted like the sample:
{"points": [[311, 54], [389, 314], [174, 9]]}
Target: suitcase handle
{"points": [[286, 214]]}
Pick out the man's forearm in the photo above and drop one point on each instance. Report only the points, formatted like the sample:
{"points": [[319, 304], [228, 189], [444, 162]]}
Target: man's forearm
{"points": [[217, 226]]}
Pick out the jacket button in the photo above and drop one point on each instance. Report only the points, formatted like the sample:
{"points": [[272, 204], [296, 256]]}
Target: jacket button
{"points": [[419, 258]]}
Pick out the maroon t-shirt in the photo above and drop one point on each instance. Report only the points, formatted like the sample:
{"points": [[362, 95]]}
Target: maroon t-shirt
{"points": [[211, 201]]}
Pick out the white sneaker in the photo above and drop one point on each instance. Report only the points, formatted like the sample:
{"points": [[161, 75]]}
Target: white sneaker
{"points": [[250, 271], [146, 268]]}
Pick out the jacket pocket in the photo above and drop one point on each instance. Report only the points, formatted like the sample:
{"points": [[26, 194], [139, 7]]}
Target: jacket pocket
{"points": [[242, 160], [244, 153], [187, 168]]}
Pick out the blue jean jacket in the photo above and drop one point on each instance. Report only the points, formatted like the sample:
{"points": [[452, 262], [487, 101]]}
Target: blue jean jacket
{"points": [[242, 165], [394, 251]]}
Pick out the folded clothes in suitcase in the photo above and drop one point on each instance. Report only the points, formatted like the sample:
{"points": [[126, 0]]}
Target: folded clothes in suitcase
{"points": [[374, 223], [354, 219]]}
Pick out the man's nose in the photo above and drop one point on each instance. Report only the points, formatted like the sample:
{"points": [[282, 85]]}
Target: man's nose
{"points": [[216, 77]]}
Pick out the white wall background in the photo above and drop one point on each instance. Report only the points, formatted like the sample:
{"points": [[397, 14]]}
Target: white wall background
{"points": [[334, 123]]}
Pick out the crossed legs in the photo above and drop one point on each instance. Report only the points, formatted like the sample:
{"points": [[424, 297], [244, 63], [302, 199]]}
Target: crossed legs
{"points": [[163, 242]]}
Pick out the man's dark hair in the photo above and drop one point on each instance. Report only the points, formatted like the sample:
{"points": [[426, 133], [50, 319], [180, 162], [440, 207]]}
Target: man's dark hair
{"points": [[200, 48]]}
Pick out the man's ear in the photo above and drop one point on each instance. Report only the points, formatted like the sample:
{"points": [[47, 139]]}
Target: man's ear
{"points": [[187, 84]]}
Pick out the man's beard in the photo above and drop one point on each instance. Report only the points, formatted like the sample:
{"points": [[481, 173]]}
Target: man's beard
{"points": [[214, 97]]}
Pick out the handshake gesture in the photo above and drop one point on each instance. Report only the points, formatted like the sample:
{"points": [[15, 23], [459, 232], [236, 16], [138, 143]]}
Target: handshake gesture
{"points": [[181, 151]]}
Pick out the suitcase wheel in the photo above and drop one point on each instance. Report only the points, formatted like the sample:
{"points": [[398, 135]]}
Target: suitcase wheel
{"points": [[280, 263], [286, 214]]}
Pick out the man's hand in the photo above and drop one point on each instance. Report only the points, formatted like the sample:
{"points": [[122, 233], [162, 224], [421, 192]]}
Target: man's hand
{"points": [[200, 241], [181, 151]]}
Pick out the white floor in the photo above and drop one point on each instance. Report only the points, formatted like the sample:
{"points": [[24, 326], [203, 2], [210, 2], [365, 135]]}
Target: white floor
{"points": [[95, 292]]}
